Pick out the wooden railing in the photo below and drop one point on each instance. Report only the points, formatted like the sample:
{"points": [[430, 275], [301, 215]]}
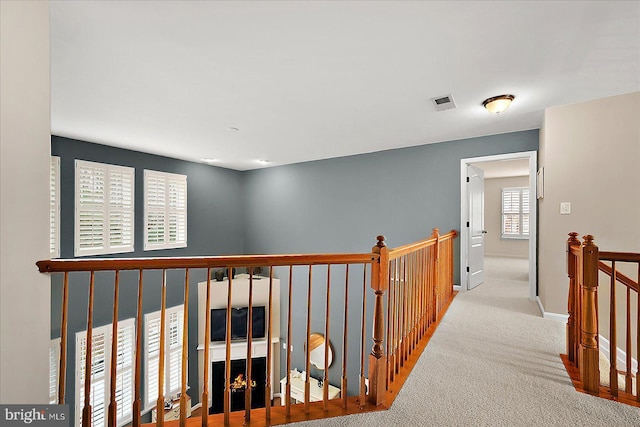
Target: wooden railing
{"points": [[419, 278], [584, 264]]}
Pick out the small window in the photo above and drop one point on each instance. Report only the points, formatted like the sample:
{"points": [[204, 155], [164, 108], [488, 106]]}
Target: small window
{"points": [[174, 319], [104, 208], [54, 207], [165, 210], [515, 213], [100, 366]]}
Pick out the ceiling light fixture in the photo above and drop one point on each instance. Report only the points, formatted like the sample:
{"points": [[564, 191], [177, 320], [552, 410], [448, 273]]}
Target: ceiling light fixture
{"points": [[264, 162], [209, 160], [498, 104]]}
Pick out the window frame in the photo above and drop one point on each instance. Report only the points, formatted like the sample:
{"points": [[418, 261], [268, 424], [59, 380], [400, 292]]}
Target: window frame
{"points": [[169, 354], [109, 205], [165, 210], [123, 325], [54, 207], [521, 198]]}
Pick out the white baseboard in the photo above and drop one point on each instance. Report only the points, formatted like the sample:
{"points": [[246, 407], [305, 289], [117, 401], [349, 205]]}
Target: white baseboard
{"points": [[196, 406], [621, 355], [457, 288], [548, 315]]}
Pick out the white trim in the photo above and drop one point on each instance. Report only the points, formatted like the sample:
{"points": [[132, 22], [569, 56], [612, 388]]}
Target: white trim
{"points": [[532, 156], [548, 315], [621, 355]]}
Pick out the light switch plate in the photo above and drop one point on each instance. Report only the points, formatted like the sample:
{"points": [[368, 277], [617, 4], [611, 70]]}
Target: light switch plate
{"points": [[565, 208]]}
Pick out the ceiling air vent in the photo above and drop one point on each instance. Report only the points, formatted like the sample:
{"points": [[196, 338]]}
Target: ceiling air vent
{"points": [[444, 102]]}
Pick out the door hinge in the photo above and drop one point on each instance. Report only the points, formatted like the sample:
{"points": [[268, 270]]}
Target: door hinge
{"points": [[467, 179], [467, 269], [467, 223]]}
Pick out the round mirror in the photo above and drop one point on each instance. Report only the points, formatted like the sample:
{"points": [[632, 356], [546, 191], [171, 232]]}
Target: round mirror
{"points": [[317, 346]]}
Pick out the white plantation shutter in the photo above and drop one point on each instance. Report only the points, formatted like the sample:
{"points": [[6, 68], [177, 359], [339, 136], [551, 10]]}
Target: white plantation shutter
{"points": [[98, 375], [173, 353], [515, 212], [104, 208], [54, 366], [54, 207], [100, 370], [165, 210]]}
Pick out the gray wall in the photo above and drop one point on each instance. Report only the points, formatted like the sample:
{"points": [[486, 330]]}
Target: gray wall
{"points": [[342, 204], [214, 227]]}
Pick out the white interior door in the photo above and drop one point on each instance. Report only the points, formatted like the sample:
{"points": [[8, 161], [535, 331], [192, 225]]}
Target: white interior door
{"points": [[475, 189]]}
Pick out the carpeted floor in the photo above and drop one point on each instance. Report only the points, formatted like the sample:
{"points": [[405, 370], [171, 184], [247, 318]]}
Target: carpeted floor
{"points": [[493, 362]]}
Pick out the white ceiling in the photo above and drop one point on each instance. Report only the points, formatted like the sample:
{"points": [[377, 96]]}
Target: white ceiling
{"points": [[307, 80]]}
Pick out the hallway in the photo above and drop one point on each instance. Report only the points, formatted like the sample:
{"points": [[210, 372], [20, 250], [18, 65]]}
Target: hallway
{"points": [[494, 361]]}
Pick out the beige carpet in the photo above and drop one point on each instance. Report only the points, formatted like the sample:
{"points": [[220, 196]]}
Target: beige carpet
{"points": [[493, 362]]}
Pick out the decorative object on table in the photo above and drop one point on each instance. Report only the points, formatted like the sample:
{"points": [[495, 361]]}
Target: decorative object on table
{"points": [[257, 271], [219, 275], [239, 384], [233, 272], [317, 345]]}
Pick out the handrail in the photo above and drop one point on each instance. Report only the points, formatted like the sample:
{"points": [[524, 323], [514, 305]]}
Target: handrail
{"points": [[625, 280], [412, 247], [108, 264], [620, 256], [406, 307]]}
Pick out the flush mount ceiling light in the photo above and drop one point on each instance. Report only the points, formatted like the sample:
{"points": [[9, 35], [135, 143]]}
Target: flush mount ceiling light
{"points": [[498, 104], [264, 162], [209, 160]]}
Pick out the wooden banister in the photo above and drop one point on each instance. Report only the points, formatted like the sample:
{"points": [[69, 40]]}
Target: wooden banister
{"points": [[584, 262], [410, 291]]}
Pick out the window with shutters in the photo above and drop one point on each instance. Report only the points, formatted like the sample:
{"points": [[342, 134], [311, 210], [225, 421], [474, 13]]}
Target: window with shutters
{"points": [[104, 211], [165, 210], [54, 366], [100, 369], [173, 353], [515, 213], [54, 207]]}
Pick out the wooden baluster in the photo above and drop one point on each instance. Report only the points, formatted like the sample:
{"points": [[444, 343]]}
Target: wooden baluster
{"points": [[137, 400], [227, 360], [345, 342], [628, 377], [86, 410], [589, 357], [572, 341], [267, 389], [62, 372], [307, 382], [438, 278], [248, 377], [412, 301], [389, 324], [363, 320], [185, 352], [403, 319], [638, 338], [422, 284], [112, 411], [325, 378], [161, 353], [289, 335], [613, 335], [397, 314], [377, 358], [206, 339]]}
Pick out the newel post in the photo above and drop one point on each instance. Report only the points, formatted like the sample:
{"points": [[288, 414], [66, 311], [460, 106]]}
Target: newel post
{"points": [[573, 339], [377, 358], [588, 355]]}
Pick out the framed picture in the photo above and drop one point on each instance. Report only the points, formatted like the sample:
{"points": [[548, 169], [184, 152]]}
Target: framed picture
{"points": [[540, 183]]}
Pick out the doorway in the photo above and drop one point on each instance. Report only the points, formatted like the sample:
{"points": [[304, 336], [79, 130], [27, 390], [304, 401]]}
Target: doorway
{"points": [[507, 234]]}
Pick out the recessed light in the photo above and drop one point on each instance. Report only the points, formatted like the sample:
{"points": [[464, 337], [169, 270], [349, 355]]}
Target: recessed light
{"points": [[264, 162], [209, 160], [235, 129]]}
